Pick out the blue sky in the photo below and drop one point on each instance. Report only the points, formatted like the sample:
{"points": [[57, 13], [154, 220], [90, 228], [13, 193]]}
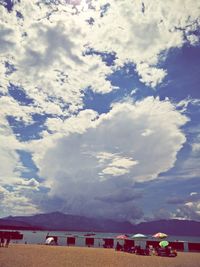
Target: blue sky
{"points": [[100, 108]]}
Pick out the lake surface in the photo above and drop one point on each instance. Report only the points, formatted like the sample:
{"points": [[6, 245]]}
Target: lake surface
{"points": [[39, 237]]}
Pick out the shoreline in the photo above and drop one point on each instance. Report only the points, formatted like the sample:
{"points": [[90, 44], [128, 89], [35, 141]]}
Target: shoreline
{"points": [[20, 255]]}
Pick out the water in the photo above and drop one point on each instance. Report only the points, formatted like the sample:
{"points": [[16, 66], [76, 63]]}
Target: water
{"points": [[39, 237]]}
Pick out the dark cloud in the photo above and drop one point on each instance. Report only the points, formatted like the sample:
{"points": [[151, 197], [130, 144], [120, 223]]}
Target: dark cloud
{"points": [[194, 197], [182, 200], [176, 200], [121, 196], [92, 208], [161, 213]]}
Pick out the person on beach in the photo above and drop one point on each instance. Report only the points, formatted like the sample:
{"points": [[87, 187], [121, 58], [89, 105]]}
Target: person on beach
{"points": [[7, 242], [118, 247], [47, 236], [2, 241]]}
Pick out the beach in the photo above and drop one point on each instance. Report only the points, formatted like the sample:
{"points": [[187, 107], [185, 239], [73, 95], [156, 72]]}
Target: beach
{"points": [[18, 255]]}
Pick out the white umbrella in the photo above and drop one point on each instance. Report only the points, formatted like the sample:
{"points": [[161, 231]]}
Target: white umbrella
{"points": [[140, 240], [139, 236], [49, 240]]}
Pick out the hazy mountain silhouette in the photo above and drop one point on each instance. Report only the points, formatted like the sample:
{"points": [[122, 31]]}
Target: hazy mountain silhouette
{"points": [[60, 221], [66, 222], [170, 227]]}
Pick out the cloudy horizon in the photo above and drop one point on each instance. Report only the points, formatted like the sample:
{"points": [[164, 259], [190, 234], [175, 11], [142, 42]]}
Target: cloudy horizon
{"points": [[100, 106]]}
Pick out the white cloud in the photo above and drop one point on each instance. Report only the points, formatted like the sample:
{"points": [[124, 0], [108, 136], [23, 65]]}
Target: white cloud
{"points": [[47, 46], [77, 123], [10, 107], [114, 171], [140, 37], [111, 147], [116, 165], [31, 184], [196, 147], [47, 49], [190, 168], [147, 132], [188, 211], [9, 158], [151, 76], [183, 104], [13, 200], [193, 39], [48, 57], [193, 193], [15, 203]]}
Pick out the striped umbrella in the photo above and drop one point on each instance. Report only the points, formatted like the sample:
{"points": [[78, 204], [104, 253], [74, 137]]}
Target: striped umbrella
{"points": [[160, 235], [122, 236]]}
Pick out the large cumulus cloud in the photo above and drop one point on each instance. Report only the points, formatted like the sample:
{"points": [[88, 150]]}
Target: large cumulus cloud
{"points": [[93, 168]]}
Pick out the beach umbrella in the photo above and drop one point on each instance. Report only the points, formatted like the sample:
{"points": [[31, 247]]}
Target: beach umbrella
{"points": [[49, 240], [164, 243], [122, 236], [139, 240], [138, 236], [160, 235]]}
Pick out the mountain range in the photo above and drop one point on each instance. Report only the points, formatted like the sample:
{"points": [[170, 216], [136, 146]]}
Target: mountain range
{"points": [[65, 222]]}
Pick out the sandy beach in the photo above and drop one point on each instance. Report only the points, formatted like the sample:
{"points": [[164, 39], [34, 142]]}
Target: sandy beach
{"points": [[40, 255]]}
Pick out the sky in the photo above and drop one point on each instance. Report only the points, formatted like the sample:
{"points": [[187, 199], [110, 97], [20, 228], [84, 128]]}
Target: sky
{"points": [[100, 108]]}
